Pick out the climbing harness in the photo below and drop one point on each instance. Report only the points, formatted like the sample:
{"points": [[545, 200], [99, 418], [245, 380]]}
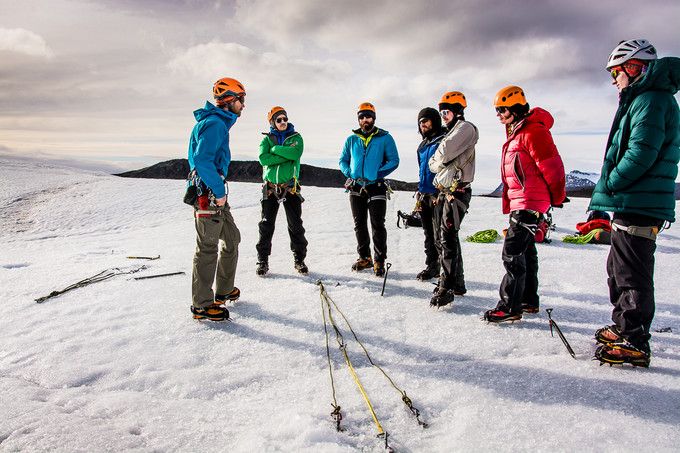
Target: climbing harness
{"points": [[100, 277], [327, 307], [647, 232], [541, 229], [280, 191]]}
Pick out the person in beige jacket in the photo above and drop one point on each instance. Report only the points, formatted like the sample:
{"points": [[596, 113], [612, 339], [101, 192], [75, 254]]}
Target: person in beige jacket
{"points": [[454, 166]]}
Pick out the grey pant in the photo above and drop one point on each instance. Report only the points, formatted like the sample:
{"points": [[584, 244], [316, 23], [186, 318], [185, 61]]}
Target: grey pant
{"points": [[217, 239]]}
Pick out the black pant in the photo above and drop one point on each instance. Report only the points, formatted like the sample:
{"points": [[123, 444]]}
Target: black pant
{"points": [[630, 267], [447, 218], [427, 208], [364, 201], [270, 208], [520, 258]]}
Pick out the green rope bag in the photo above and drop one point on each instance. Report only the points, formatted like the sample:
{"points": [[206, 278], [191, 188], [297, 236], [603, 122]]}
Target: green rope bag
{"points": [[483, 237], [582, 239]]}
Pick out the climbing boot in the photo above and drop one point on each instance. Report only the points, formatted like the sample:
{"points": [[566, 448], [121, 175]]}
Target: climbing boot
{"points": [[301, 267], [607, 334], [441, 297], [212, 312], [427, 274], [362, 263], [530, 309], [497, 316], [620, 352], [231, 296], [262, 268], [379, 268]]}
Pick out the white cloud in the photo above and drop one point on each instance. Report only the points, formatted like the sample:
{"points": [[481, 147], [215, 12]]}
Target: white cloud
{"points": [[25, 42], [215, 59]]}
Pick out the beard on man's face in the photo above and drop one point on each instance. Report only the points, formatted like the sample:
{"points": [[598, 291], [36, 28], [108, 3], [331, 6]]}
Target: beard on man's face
{"points": [[366, 124]]}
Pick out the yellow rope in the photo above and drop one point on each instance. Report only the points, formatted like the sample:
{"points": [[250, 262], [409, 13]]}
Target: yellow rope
{"points": [[339, 338], [363, 392]]}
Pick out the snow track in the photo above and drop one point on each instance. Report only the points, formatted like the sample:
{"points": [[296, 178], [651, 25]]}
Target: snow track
{"points": [[120, 365]]}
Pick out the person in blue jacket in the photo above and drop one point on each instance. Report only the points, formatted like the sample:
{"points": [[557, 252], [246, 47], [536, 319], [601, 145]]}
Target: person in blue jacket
{"points": [[368, 156], [217, 236], [431, 130]]}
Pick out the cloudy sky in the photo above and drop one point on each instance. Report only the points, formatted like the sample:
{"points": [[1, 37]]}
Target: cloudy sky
{"points": [[113, 83]]}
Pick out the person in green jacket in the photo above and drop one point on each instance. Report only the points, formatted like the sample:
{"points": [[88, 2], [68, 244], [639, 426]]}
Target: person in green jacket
{"points": [[637, 184], [280, 152]]}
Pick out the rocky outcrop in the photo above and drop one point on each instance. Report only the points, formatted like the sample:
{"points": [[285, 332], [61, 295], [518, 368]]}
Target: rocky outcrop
{"points": [[579, 185], [251, 171]]}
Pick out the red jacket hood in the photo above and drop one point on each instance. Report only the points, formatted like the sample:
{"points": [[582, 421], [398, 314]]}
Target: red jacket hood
{"points": [[535, 115], [539, 115]]}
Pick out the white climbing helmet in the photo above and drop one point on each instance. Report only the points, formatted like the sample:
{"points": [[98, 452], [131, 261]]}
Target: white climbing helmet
{"points": [[639, 49]]}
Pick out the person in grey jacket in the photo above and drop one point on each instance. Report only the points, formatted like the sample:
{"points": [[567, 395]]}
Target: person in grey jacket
{"points": [[454, 166]]}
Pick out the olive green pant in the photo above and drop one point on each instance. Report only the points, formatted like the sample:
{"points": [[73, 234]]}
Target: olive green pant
{"points": [[217, 239]]}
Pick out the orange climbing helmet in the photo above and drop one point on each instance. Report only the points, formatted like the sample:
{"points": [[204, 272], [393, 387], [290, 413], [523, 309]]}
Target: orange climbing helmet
{"points": [[509, 96], [225, 89], [366, 107], [452, 98], [274, 112]]}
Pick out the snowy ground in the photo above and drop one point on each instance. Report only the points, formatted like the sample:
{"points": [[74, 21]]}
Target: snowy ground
{"points": [[120, 365]]}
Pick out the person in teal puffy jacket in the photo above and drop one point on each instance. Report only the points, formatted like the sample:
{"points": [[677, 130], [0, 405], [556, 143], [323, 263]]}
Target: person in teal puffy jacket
{"points": [[637, 184], [369, 155]]}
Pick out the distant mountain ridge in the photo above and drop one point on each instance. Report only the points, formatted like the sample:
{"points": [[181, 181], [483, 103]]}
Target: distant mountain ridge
{"points": [[251, 171], [579, 184]]}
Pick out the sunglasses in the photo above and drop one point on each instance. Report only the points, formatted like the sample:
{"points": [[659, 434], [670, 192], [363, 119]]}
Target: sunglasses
{"points": [[632, 70], [424, 120], [281, 119], [501, 110], [444, 113], [365, 115]]}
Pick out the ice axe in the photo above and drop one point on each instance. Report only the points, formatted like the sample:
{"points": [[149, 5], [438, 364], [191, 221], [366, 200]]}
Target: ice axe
{"points": [[553, 324], [387, 269]]}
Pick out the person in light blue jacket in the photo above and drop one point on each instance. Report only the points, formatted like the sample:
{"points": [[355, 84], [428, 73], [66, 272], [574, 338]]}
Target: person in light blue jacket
{"points": [[217, 237], [369, 155]]}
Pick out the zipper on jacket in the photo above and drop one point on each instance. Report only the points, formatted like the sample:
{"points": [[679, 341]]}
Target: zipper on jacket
{"points": [[517, 163]]}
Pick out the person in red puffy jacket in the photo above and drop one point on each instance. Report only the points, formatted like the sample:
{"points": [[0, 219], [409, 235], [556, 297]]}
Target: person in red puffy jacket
{"points": [[533, 180]]}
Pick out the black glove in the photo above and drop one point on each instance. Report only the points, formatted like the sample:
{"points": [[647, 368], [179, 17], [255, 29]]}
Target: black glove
{"points": [[561, 205]]}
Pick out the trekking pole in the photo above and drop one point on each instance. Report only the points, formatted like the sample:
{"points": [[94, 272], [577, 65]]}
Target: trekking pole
{"points": [[559, 332], [159, 275], [387, 269], [143, 257]]}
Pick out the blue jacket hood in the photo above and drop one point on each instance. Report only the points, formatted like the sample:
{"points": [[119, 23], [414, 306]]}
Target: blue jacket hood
{"points": [[209, 109], [209, 152]]}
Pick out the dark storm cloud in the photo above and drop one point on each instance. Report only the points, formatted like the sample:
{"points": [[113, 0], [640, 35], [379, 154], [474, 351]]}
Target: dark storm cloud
{"points": [[460, 34]]}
